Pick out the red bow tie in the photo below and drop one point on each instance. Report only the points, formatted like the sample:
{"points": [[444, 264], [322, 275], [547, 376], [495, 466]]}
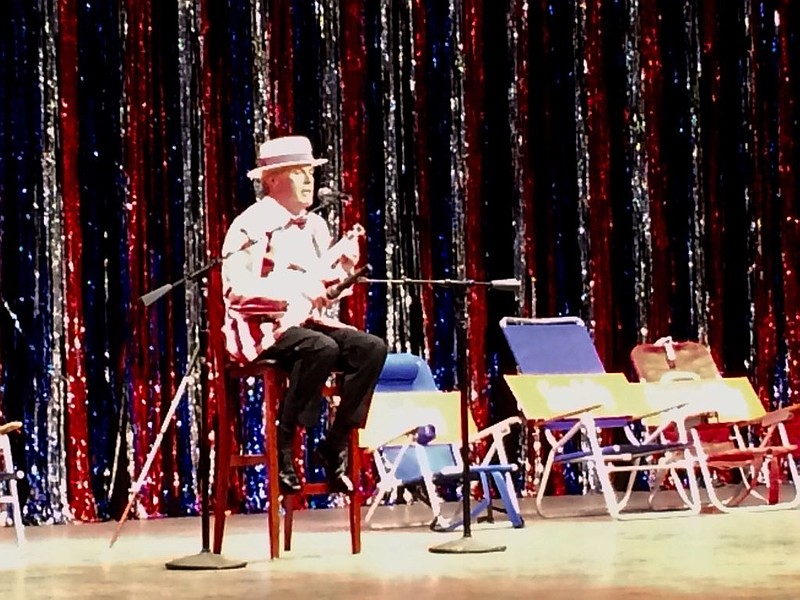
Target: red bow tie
{"points": [[299, 221]]}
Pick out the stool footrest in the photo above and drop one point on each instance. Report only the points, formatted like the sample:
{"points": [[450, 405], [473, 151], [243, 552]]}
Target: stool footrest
{"points": [[310, 489], [255, 369]]}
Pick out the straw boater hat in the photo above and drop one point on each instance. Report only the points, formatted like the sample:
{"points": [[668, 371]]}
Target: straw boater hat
{"points": [[282, 152]]}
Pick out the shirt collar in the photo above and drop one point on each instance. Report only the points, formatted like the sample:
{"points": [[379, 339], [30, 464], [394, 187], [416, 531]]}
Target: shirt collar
{"points": [[278, 212]]}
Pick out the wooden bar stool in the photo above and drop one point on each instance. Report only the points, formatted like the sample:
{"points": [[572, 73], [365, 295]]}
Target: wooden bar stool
{"points": [[275, 380]]}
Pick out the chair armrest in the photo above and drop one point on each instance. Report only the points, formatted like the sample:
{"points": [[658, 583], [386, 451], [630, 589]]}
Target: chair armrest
{"points": [[695, 419], [498, 429], [662, 410], [567, 415], [10, 426], [776, 416]]}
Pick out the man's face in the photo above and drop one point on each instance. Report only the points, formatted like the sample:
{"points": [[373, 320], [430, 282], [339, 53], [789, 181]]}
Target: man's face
{"points": [[293, 187]]}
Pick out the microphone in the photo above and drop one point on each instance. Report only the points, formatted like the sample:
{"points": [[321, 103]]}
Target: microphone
{"points": [[151, 297], [326, 193], [333, 292], [505, 285]]}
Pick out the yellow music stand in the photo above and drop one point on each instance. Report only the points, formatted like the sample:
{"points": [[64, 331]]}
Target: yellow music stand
{"points": [[548, 397], [393, 414]]}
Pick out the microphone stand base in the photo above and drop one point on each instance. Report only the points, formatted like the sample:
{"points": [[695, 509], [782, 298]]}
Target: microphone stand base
{"points": [[204, 561], [465, 545]]}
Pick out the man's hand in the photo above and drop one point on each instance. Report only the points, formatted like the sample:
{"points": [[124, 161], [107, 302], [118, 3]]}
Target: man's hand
{"points": [[321, 303], [350, 253], [316, 293], [348, 263], [10, 426]]}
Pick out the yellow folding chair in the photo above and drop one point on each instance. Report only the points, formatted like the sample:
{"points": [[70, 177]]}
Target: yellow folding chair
{"points": [[566, 405]]}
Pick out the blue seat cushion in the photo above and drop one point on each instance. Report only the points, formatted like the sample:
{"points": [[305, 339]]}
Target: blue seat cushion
{"points": [[403, 371], [398, 374]]}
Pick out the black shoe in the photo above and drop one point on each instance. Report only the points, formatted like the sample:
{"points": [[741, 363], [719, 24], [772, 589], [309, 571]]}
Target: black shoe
{"points": [[334, 459], [288, 480]]}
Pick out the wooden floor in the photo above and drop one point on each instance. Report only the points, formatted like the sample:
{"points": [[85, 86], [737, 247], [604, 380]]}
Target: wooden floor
{"points": [[754, 555]]}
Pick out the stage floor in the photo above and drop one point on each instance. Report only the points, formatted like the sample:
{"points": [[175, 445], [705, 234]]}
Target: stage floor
{"points": [[709, 556]]}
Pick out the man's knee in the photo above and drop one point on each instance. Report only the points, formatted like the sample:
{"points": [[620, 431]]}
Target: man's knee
{"points": [[325, 350], [373, 349]]}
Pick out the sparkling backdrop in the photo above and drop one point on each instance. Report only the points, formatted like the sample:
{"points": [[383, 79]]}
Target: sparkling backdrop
{"points": [[631, 163]]}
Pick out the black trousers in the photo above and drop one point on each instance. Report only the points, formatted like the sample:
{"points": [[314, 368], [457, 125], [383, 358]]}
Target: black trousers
{"points": [[310, 353]]}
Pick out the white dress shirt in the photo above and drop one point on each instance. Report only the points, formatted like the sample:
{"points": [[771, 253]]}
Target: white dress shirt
{"points": [[279, 264]]}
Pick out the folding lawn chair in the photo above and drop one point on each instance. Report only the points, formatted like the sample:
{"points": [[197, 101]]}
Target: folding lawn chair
{"points": [[563, 389], [9, 496], [686, 370], [414, 435], [402, 372]]}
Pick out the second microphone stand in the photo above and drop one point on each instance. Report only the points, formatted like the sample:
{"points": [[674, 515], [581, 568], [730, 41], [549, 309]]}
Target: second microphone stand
{"points": [[466, 544]]}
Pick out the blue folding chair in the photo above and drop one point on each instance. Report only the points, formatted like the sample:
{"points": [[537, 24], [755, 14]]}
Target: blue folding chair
{"points": [[558, 363], [422, 460]]}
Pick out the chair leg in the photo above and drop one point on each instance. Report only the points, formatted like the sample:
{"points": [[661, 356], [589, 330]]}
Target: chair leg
{"points": [[12, 498], [354, 508], [17, 512], [508, 496], [774, 480], [484, 504]]}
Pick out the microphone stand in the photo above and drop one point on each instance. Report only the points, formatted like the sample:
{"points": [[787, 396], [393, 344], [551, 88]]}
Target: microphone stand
{"points": [[204, 560], [466, 544]]}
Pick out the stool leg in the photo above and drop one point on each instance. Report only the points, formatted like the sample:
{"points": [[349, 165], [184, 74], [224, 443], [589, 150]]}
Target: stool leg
{"points": [[288, 520], [224, 440], [289, 504], [354, 461], [271, 450]]}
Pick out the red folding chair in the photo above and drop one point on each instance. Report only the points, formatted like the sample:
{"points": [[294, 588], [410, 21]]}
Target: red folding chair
{"points": [[726, 408]]}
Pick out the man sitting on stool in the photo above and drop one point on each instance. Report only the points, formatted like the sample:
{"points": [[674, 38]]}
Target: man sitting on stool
{"points": [[276, 287]]}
